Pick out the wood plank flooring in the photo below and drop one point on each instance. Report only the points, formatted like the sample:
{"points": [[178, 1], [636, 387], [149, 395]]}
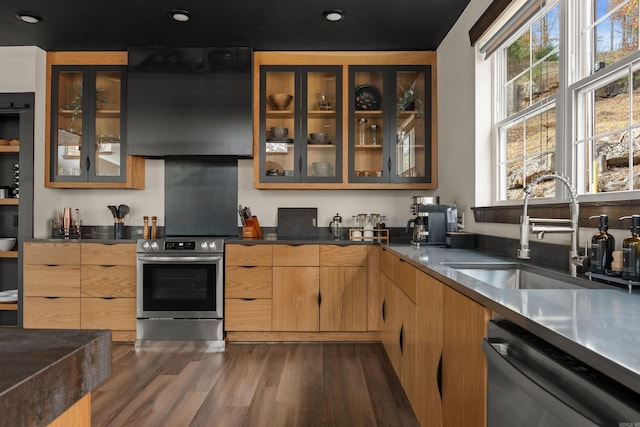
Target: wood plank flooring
{"points": [[291, 384]]}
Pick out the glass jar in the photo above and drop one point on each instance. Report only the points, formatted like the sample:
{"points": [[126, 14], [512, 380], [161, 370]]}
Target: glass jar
{"points": [[374, 134]]}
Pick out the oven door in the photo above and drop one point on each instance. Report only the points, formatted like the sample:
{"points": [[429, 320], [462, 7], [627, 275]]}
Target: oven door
{"points": [[180, 286]]}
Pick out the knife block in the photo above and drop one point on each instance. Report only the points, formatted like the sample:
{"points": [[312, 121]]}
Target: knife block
{"points": [[252, 229]]}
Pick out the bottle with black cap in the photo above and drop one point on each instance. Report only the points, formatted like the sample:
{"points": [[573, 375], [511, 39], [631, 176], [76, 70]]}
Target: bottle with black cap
{"points": [[602, 247], [631, 251]]}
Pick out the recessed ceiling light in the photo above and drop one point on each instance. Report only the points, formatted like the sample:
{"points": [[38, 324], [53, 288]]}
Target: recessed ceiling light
{"points": [[334, 15], [180, 15], [28, 17]]}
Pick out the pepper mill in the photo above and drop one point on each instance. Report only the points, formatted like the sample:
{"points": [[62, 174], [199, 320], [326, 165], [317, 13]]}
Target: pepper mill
{"points": [[154, 229], [145, 227]]}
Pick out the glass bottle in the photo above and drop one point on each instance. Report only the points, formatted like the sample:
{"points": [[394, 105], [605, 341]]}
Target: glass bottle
{"points": [[602, 246], [631, 251], [361, 131], [374, 134]]}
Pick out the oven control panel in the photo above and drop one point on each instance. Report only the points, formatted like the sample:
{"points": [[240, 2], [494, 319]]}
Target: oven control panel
{"points": [[181, 245]]}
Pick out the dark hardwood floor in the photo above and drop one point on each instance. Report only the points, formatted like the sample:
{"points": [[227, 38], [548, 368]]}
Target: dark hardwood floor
{"points": [[324, 384]]}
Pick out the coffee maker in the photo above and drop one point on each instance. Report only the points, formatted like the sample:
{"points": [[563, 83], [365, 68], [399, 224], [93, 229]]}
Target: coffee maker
{"points": [[431, 221]]}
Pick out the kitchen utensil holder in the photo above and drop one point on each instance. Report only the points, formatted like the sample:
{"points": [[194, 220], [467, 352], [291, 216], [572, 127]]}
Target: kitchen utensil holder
{"points": [[379, 235], [252, 229]]}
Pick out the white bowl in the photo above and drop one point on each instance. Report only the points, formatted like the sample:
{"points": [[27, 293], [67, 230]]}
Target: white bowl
{"points": [[7, 243]]}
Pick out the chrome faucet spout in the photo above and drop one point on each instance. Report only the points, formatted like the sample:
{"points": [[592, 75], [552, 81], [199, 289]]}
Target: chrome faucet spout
{"points": [[528, 225]]}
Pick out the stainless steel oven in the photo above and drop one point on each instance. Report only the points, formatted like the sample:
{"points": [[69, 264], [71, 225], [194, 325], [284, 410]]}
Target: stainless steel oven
{"points": [[532, 383], [180, 289]]}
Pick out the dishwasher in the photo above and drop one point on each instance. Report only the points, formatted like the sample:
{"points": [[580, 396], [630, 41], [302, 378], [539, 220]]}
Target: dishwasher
{"points": [[532, 383]]}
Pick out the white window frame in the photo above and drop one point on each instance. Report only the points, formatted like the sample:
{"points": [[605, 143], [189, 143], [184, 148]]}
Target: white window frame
{"points": [[554, 101], [575, 75]]}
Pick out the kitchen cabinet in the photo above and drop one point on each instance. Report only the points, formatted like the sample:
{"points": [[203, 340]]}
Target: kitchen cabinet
{"points": [[16, 179], [432, 335], [296, 278], [399, 323], [51, 285], [81, 286], [464, 368], [248, 287], [297, 292], [108, 288], [86, 145], [393, 91], [390, 134], [313, 110]]}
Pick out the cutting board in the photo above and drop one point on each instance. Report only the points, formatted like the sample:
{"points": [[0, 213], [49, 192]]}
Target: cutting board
{"points": [[297, 222]]}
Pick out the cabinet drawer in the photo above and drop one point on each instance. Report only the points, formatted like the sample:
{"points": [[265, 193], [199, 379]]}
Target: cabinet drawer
{"points": [[343, 256], [385, 260], [52, 253], [51, 313], [260, 255], [405, 277], [108, 281], [108, 313], [51, 280], [296, 255], [248, 282], [247, 315], [108, 254]]}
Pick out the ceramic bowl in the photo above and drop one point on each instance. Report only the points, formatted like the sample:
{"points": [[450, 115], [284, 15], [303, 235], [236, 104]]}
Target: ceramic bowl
{"points": [[281, 100], [318, 137], [321, 168], [7, 243], [279, 132]]}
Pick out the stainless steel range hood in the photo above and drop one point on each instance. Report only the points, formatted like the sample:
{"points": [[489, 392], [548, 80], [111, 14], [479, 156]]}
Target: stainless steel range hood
{"points": [[190, 101]]}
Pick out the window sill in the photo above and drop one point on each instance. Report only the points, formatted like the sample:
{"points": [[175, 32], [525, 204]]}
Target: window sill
{"points": [[512, 214]]}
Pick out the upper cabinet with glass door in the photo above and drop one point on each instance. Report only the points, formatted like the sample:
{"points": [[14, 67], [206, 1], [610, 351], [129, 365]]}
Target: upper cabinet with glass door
{"points": [[353, 120], [87, 140], [390, 125], [300, 128]]}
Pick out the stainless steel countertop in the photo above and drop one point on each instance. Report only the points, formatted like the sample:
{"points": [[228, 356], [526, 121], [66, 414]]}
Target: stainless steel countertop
{"points": [[601, 327]]}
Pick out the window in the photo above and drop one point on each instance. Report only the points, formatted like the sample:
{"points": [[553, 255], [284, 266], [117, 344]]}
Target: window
{"points": [[585, 125], [607, 103], [528, 66]]}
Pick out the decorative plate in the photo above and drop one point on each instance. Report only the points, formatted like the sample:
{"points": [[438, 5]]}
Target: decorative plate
{"points": [[368, 98]]}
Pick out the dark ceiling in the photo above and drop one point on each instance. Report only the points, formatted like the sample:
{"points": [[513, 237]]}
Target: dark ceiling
{"points": [[262, 24]]}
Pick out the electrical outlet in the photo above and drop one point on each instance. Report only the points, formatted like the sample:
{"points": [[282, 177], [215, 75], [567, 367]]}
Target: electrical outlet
{"points": [[461, 220]]}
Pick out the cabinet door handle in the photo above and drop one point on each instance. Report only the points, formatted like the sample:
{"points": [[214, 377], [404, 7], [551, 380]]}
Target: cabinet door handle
{"points": [[88, 163], [319, 298], [52, 297], [108, 297], [248, 266], [402, 339], [384, 309], [51, 265], [300, 164], [439, 376], [248, 299], [389, 164]]}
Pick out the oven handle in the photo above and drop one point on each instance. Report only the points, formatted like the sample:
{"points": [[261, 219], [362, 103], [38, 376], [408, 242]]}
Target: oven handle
{"points": [[156, 258]]}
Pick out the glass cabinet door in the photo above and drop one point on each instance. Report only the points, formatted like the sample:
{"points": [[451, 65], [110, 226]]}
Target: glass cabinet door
{"points": [[412, 135], [108, 155], [390, 124], [367, 140], [87, 124], [300, 132], [68, 136], [322, 161]]}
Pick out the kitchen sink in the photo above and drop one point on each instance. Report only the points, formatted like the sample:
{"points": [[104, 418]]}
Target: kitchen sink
{"points": [[520, 276]]}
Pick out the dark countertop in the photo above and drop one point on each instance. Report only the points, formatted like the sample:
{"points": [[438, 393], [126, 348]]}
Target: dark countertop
{"points": [[46, 371], [601, 327]]}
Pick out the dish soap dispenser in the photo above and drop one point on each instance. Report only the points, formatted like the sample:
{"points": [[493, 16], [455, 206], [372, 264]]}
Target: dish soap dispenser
{"points": [[631, 251], [602, 247]]}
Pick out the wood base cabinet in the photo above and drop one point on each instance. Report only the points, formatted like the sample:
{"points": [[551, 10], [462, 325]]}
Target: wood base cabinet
{"points": [[297, 292], [433, 340], [81, 286]]}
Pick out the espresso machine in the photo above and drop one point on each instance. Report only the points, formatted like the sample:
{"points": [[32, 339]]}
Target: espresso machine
{"points": [[431, 221]]}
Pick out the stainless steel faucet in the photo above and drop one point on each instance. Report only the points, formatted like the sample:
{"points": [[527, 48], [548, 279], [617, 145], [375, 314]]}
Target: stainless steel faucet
{"points": [[528, 225]]}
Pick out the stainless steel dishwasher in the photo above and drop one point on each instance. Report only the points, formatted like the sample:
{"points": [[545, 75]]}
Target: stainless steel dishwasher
{"points": [[532, 383]]}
